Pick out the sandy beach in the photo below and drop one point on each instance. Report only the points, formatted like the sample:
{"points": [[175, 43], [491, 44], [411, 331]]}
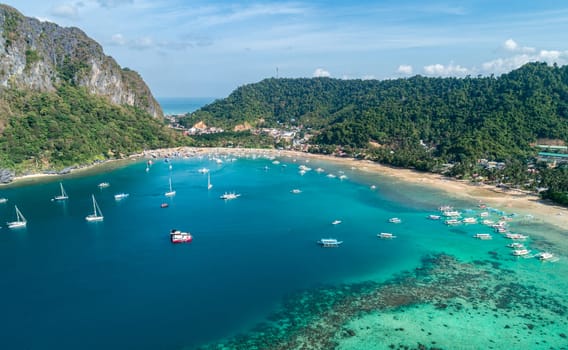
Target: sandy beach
{"points": [[508, 200]]}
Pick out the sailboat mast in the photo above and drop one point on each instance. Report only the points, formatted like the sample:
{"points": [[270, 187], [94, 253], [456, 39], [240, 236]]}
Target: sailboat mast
{"points": [[19, 216]]}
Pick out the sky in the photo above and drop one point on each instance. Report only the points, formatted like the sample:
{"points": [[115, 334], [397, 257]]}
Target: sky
{"points": [[187, 48]]}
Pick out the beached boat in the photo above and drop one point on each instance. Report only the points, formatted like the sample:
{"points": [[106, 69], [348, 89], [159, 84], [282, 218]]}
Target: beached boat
{"points": [[395, 220], [386, 235], [62, 196], [209, 184], [521, 252], [177, 236], [20, 220], [229, 195], [445, 208], [97, 215], [103, 185], [483, 236], [320, 170], [171, 192], [329, 242], [434, 217], [336, 222], [451, 213], [296, 191], [120, 196]]}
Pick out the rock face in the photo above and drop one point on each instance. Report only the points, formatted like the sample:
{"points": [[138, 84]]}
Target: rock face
{"points": [[41, 55]]}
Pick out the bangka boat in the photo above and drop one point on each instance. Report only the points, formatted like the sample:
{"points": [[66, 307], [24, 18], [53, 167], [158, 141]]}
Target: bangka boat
{"points": [[97, 215], [329, 242], [120, 196], [296, 191], [103, 185], [203, 170], [209, 184], [469, 220], [20, 220], [164, 205], [516, 245], [3, 200], [62, 196], [516, 236], [521, 252], [171, 192], [483, 236], [545, 256], [229, 195], [386, 235], [177, 236], [395, 220], [452, 222], [434, 217], [336, 222]]}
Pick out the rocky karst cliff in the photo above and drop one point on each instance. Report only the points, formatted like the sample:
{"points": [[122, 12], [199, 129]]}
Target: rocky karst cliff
{"points": [[41, 56]]}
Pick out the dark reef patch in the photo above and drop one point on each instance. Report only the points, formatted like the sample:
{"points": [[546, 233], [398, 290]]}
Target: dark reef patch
{"points": [[317, 318]]}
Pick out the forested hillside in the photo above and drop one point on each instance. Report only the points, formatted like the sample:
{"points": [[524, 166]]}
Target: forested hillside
{"points": [[49, 131], [459, 117], [417, 122]]}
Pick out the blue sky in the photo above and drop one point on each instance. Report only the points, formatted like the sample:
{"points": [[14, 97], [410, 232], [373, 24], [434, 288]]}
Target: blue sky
{"points": [[209, 48]]}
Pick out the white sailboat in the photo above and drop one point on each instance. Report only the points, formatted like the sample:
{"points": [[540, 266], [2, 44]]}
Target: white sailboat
{"points": [[63, 196], [171, 192], [20, 220], [209, 185], [97, 215]]}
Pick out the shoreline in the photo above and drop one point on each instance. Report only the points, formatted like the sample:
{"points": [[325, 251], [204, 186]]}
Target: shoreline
{"points": [[507, 200]]}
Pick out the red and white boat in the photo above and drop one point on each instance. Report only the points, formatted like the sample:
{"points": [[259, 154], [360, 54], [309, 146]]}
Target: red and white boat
{"points": [[177, 236]]}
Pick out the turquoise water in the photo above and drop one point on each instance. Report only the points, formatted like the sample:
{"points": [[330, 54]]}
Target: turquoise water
{"points": [[182, 105], [254, 263]]}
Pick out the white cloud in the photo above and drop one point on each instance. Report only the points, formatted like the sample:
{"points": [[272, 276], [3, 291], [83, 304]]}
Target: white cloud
{"points": [[320, 72], [405, 69], [444, 71], [512, 46], [65, 11], [521, 56], [368, 77], [118, 39]]}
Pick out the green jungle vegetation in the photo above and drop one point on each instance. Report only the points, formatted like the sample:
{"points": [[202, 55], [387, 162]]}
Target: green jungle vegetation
{"points": [[419, 122], [42, 131]]}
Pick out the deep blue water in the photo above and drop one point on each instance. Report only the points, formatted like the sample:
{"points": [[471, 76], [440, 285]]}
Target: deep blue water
{"points": [[69, 284], [182, 105]]}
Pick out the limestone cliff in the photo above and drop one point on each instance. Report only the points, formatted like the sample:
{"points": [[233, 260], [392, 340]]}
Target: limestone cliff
{"points": [[42, 55]]}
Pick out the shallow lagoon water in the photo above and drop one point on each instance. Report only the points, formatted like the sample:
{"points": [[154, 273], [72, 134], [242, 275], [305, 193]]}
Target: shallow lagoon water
{"points": [[122, 284]]}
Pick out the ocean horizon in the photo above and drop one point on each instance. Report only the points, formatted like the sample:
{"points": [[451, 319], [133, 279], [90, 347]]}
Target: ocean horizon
{"points": [[254, 276], [183, 105]]}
